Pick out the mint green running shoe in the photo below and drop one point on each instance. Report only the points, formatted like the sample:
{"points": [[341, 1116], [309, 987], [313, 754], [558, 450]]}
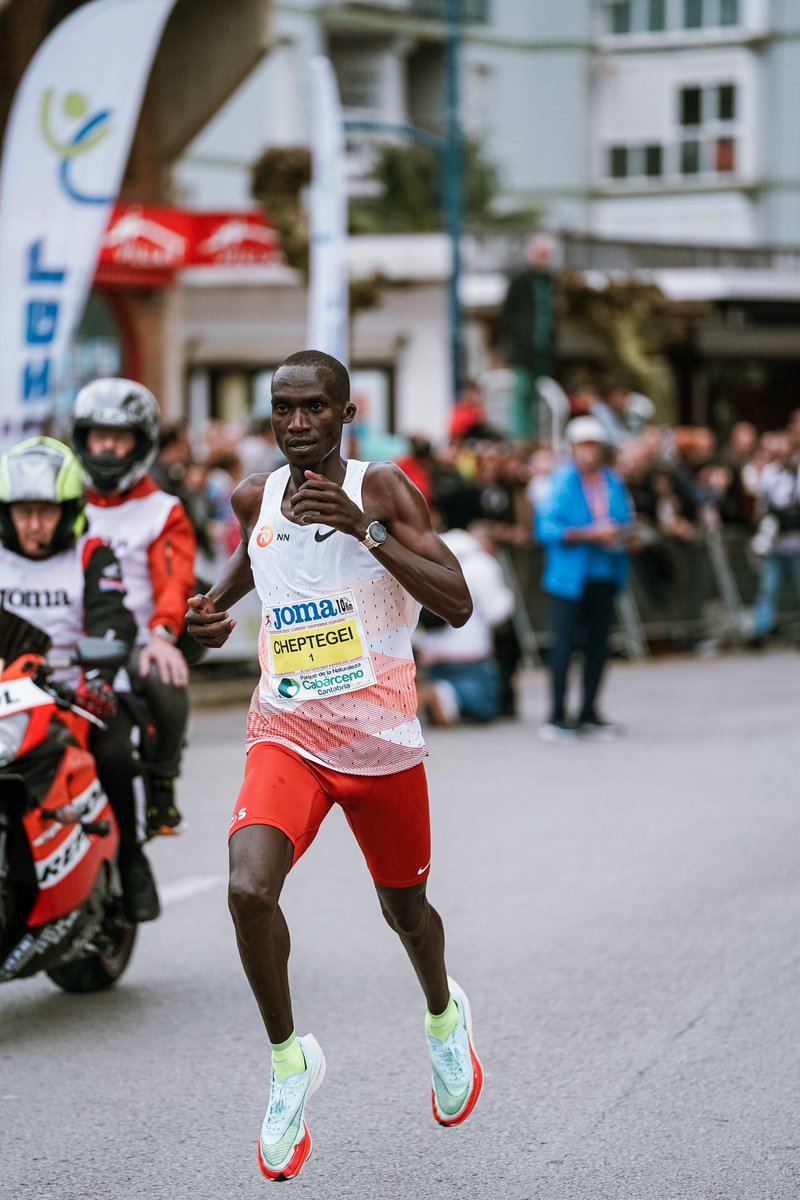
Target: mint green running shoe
{"points": [[285, 1142], [457, 1080]]}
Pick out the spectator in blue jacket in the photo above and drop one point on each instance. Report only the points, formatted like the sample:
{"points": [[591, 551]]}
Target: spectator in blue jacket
{"points": [[583, 525]]}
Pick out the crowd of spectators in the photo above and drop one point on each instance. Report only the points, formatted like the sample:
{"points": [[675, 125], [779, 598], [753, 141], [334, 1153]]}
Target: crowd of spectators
{"points": [[684, 482]]}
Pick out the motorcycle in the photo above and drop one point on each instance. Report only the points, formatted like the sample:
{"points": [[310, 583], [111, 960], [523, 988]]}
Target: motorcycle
{"points": [[60, 893]]}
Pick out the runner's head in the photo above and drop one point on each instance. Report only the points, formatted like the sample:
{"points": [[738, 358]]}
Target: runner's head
{"points": [[310, 404], [115, 432], [42, 498]]}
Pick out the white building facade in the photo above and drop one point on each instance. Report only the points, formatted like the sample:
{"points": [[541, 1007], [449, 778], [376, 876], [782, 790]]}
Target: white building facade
{"points": [[665, 121]]}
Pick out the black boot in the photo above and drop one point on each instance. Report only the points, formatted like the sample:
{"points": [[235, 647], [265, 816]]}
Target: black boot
{"points": [[163, 816], [139, 896]]}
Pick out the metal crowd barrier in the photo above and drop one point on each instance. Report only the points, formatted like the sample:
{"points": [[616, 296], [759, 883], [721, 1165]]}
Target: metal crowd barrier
{"points": [[680, 596]]}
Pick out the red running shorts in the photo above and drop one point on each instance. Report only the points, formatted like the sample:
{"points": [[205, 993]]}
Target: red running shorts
{"points": [[388, 814]]}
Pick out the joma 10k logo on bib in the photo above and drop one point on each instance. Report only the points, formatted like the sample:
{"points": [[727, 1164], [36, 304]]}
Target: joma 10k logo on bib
{"points": [[288, 615]]}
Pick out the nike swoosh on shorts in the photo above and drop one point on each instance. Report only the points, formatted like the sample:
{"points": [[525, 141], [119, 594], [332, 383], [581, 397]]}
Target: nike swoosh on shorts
{"points": [[318, 537]]}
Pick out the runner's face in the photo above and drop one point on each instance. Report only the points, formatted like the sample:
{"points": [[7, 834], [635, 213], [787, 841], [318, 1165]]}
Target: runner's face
{"points": [[35, 522], [307, 419]]}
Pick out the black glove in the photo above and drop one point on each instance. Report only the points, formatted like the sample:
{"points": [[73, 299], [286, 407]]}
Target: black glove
{"points": [[97, 697]]}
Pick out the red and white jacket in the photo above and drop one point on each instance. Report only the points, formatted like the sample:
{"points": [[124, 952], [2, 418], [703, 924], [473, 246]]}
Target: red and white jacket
{"points": [[153, 539]]}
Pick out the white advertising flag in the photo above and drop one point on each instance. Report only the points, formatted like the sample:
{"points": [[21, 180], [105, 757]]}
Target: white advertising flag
{"points": [[66, 147], [328, 284]]}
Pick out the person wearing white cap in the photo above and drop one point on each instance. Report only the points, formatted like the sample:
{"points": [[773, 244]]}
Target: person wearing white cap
{"points": [[582, 526]]}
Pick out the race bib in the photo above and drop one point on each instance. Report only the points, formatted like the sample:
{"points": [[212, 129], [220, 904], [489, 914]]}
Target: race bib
{"points": [[317, 648]]}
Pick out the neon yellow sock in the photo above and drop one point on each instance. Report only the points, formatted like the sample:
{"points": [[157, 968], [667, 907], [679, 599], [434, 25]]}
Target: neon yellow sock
{"points": [[442, 1026], [287, 1058]]}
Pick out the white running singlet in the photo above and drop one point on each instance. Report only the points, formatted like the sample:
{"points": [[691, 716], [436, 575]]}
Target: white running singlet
{"points": [[337, 669]]}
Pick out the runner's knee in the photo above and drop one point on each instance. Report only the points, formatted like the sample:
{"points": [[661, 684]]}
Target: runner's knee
{"points": [[251, 898], [406, 911]]}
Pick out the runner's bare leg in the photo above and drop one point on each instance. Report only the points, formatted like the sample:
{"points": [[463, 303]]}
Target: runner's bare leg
{"points": [[260, 858], [419, 927]]}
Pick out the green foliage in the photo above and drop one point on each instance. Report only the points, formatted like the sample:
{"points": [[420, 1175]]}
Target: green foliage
{"points": [[278, 180], [410, 178], [634, 323]]}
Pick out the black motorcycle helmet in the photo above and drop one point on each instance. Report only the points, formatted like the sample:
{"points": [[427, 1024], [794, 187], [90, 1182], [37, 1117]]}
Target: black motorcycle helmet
{"points": [[117, 404]]}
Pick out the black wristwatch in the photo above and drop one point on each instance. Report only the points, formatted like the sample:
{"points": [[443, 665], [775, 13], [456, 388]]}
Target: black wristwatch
{"points": [[376, 535]]}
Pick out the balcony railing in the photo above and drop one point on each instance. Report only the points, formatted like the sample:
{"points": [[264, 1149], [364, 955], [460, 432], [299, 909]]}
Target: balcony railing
{"points": [[471, 10]]}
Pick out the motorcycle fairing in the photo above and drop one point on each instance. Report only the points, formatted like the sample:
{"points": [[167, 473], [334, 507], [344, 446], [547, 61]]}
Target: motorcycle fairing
{"points": [[66, 858], [43, 947]]}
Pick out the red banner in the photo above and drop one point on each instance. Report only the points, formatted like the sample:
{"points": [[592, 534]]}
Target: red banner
{"points": [[145, 245]]}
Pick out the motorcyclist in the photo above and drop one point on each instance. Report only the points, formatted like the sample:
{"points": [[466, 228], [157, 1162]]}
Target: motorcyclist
{"points": [[115, 435], [69, 583]]}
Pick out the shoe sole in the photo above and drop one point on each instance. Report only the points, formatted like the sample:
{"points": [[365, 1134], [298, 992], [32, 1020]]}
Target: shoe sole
{"points": [[477, 1086], [302, 1151]]}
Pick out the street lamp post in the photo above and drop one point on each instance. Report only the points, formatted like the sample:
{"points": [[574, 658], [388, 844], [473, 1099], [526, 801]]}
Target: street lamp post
{"points": [[450, 148], [453, 186]]}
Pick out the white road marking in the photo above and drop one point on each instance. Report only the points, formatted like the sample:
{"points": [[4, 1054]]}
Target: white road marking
{"points": [[184, 889]]}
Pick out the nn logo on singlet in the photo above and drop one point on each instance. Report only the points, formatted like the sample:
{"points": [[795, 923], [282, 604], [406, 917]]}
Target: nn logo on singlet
{"points": [[287, 615]]}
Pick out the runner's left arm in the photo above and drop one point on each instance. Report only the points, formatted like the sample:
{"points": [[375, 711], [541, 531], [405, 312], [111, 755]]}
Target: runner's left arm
{"points": [[207, 619], [413, 553]]}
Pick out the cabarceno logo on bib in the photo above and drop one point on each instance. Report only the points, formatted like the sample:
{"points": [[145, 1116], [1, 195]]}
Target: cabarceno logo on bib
{"points": [[288, 688]]}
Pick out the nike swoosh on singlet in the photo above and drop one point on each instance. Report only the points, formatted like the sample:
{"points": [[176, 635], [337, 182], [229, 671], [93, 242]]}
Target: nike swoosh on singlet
{"points": [[320, 537]]}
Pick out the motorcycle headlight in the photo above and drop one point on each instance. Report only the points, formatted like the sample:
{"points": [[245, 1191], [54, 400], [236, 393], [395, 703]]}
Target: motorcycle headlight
{"points": [[12, 735]]}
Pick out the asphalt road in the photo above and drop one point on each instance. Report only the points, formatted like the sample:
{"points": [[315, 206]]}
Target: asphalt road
{"points": [[623, 917]]}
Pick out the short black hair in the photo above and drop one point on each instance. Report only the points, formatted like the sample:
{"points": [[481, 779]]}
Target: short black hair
{"points": [[318, 360]]}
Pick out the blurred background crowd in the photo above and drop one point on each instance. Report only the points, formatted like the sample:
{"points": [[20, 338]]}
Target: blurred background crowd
{"points": [[715, 545]]}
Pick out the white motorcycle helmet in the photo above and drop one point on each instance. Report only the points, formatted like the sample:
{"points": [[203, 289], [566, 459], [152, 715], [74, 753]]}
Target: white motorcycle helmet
{"points": [[116, 404]]}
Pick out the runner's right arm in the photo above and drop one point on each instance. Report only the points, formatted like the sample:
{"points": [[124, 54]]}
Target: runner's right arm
{"points": [[208, 620]]}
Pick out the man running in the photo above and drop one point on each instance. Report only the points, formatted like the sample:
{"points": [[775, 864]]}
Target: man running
{"points": [[342, 554]]}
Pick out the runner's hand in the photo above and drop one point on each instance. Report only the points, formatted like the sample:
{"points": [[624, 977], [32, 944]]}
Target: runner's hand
{"points": [[320, 501], [207, 627], [169, 661]]}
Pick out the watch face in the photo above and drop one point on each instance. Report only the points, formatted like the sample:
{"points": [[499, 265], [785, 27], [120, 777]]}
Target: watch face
{"points": [[377, 532]]}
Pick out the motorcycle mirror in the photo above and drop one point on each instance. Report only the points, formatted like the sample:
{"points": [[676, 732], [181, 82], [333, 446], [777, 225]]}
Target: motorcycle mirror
{"points": [[102, 652]]}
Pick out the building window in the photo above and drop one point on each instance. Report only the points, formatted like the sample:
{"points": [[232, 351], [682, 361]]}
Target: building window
{"points": [[691, 106], [618, 162], [725, 155], [360, 84], [726, 102], [707, 121], [635, 162], [657, 16], [708, 14], [637, 16], [653, 162], [621, 16], [690, 158], [693, 14]]}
